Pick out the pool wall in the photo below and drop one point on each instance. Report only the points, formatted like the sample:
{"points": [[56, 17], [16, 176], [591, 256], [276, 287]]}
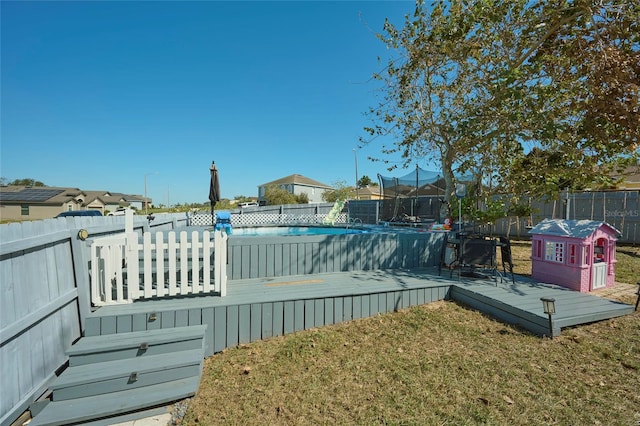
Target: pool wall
{"points": [[277, 256]]}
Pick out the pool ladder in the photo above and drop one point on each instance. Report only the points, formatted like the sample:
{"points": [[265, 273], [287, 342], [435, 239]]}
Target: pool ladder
{"points": [[353, 223]]}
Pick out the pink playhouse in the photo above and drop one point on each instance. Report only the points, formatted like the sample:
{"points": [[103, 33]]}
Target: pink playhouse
{"points": [[577, 254]]}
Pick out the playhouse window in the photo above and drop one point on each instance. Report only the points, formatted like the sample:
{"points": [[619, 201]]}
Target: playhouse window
{"points": [[554, 252], [537, 249], [573, 254]]}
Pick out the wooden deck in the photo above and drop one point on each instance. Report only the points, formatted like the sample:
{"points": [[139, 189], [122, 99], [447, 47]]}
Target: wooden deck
{"points": [[260, 308], [520, 304], [161, 342]]}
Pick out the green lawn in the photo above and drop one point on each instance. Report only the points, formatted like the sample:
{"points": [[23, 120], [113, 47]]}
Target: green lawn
{"points": [[437, 364]]}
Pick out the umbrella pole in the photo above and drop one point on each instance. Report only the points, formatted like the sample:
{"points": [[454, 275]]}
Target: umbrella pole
{"points": [[214, 190]]}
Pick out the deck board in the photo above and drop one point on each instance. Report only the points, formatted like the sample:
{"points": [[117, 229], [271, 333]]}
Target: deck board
{"points": [[259, 308]]}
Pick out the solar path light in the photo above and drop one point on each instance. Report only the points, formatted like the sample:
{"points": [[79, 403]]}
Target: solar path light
{"points": [[549, 307]]}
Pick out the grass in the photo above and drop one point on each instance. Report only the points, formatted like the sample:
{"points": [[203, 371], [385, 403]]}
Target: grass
{"points": [[437, 364]]}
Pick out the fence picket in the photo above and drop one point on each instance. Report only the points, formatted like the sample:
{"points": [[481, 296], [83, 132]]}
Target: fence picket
{"points": [[118, 255], [220, 270], [195, 263], [184, 263], [222, 264], [216, 269], [207, 249], [133, 266], [96, 293], [160, 253], [172, 249], [147, 262], [108, 274]]}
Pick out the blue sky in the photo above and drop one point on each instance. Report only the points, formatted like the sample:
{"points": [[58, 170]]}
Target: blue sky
{"points": [[98, 95]]}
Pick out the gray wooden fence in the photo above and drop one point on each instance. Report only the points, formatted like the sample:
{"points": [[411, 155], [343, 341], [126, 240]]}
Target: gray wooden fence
{"points": [[44, 298], [621, 209]]}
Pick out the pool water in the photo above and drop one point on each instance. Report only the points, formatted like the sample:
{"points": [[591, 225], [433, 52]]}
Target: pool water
{"points": [[294, 230]]}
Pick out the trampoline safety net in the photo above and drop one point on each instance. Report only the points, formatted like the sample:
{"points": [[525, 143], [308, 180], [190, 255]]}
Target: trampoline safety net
{"points": [[416, 196]]}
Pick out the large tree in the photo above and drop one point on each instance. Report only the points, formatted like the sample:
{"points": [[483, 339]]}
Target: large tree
{"points": [[426, 87], [570, 95], [495, 87], [26, 182], [339, 191]]}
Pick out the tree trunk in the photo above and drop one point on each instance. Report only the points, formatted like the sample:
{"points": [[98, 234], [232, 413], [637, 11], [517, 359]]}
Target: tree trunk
{"points": [[446, 154]]}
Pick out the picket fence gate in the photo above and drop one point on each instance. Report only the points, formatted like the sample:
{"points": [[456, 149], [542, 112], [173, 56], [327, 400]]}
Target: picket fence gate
{"points": [[124, 270]]}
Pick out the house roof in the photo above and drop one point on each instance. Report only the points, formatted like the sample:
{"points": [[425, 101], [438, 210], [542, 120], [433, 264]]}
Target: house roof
{"points": [[370, 190], [570, 228], [629, 176], [37, 194], [12, 194], [297, 180]]}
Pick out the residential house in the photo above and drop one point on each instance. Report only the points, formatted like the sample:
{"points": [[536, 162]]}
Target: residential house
{"points": [[630, 178], [369, 192], [45, 202], [297, 185]]}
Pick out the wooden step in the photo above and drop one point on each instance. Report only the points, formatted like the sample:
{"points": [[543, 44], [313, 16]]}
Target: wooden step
{"points": [[135, 344], [80, 410], [114, 376]]}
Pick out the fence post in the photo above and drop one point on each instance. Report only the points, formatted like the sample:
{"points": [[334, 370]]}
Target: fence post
{"points": [[81, 270], [220, 262]]}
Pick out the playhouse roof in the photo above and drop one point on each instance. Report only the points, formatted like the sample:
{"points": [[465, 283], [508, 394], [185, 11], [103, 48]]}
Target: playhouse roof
{"points": [[570, 228]]}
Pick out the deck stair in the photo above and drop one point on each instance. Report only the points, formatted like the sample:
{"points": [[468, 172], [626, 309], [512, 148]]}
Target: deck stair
{"points": [[113, 376]]}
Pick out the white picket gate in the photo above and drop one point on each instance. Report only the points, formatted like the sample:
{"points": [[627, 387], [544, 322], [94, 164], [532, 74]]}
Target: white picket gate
{"points": [[124, 270]]}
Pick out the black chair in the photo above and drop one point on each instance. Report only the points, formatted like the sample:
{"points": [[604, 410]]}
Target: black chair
{"points": [[507, 259], [449, 254], [478, 252]]}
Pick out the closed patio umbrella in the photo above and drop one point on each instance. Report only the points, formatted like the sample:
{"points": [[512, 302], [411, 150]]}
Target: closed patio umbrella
{"points": [[214, 189]]}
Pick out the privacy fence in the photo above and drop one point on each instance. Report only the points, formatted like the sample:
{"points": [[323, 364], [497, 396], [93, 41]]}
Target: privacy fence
{"points": [[620, 209]]}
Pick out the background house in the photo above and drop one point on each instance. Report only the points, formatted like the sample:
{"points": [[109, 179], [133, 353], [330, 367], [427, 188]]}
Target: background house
{"points": [[369, 192], [45, 202], [630, 178], [297, 185]]}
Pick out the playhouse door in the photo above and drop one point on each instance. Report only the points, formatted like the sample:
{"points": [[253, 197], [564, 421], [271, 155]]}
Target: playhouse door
{"points": [[599, 275]]}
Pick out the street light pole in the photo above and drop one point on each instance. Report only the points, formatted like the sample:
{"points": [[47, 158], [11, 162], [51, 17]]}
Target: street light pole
{"points": [[145, 193], [355, 155]]}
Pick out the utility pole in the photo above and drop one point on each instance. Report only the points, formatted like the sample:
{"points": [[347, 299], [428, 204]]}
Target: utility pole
{"points": [[355, 155]]}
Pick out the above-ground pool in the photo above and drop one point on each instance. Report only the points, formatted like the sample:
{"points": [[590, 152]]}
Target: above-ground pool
{"points": [[276, 251]]}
